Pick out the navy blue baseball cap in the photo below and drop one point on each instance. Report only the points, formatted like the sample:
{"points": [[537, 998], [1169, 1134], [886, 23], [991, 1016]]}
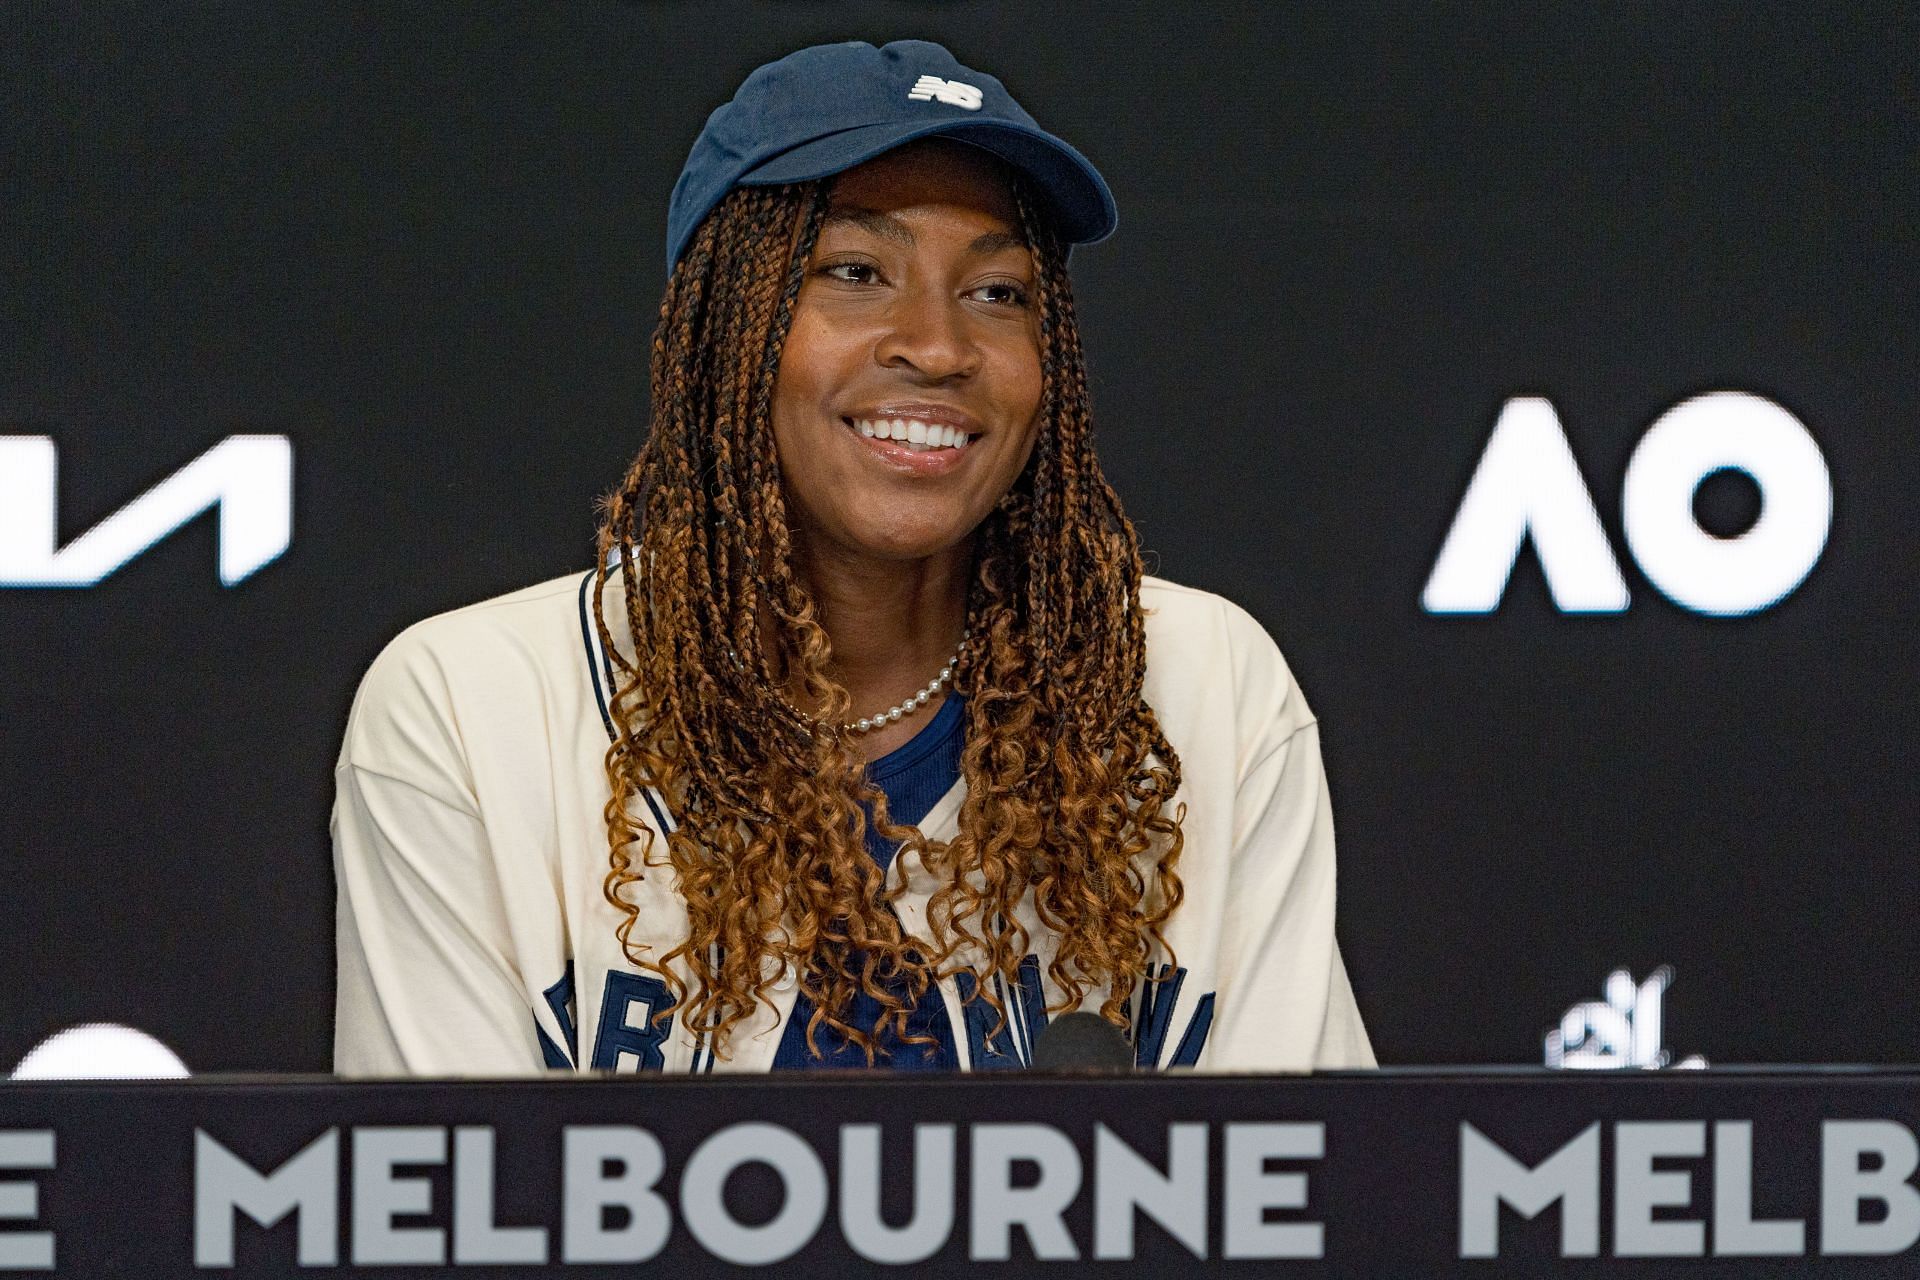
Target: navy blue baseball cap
{"points": [[822, 110]]}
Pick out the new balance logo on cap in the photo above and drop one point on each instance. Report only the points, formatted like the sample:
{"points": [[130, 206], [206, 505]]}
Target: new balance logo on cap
{"points": [[819, 111], [951, 92]]}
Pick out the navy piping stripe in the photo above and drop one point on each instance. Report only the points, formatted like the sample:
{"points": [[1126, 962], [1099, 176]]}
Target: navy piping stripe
{"points": [[1014, 1038], [1016, 1027], [659, 814], [597, 663], [699, 1046], [702, 1047], [593, 668], [591, 640], [715, 954], [1016, 1033], [606, 658]]}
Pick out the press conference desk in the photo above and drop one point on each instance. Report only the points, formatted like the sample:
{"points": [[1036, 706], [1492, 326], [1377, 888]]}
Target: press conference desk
{"points": [[1754, 1172]]}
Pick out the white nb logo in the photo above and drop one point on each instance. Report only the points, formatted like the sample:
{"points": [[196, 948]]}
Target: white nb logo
{"points": [[951, 92]]}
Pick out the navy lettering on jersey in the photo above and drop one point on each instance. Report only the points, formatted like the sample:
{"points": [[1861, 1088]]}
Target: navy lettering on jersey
{"points": [[1026, 1017], [1188, 1054], [985, 1050], [559, 998], [1157, 998], [629, 1039], [1155, 1021]]}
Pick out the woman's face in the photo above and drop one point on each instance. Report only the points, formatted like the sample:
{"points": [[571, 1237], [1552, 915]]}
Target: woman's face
{"points": [[915, 318]]}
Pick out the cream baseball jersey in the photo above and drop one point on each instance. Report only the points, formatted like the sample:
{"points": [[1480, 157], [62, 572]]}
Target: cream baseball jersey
{"points": [[470, 849]]}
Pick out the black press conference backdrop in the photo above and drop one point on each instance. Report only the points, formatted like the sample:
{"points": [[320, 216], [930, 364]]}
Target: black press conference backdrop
{"points": [[418, 248]]}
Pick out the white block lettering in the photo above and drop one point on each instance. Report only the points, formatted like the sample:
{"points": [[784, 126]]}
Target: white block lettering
{"points": [[1489, 1176], [612, 1167], [1736, 1232], [476, 1239], [802, 1210], [1845, 1186], [380, 1195], [1124, 1181], [20, 1201], [931, 1221], [1638, 1188], [307, 1185], [1251, 1191], [999, 1206]]}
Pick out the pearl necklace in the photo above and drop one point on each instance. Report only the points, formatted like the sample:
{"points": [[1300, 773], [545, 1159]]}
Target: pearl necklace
{"points": [[867, 724]]}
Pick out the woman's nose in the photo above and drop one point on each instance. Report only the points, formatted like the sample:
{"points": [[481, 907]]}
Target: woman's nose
{"points": [[930, 334]]}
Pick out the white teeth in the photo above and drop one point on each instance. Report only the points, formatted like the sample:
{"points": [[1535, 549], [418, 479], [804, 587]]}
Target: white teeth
{"points": [[912, 432]]}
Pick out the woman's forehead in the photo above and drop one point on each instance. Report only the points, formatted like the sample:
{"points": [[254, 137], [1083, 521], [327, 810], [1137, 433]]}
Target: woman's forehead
{"points": [[929, 171]]}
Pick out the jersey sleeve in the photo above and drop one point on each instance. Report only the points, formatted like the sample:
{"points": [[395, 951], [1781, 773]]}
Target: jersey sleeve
{"points": [[427, 982], [1286, 1003]]}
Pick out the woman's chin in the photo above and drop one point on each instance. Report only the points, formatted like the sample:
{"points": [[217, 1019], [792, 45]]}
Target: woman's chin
{"points": [[908, 537]]}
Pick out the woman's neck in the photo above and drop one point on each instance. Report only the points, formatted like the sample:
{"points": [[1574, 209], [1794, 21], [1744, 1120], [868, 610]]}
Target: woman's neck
{"points": [[894, 624]]}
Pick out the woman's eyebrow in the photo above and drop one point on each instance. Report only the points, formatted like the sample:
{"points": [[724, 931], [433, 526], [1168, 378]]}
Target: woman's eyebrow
{"points": [[888, 227], [994, 241]]}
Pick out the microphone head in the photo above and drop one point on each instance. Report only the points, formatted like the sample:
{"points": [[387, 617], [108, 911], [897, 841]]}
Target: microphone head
{"points": [[1081, 1042]]}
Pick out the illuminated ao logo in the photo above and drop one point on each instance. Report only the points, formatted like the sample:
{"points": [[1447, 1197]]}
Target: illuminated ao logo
{"points": [[1527, 485], [248, 478]]}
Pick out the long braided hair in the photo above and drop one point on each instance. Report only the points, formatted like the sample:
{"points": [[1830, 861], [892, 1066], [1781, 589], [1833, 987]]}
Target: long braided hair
{"points": [[1069, 778]]}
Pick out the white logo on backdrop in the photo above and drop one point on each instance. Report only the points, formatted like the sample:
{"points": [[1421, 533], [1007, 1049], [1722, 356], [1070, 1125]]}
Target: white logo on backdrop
{"points": [[952, 92], [100, 1051], [1624, 1030], [248, 478], [1527, 485]]}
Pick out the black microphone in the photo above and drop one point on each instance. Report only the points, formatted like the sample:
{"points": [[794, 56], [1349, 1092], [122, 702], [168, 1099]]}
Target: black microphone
{"points": [[1081, 1042]]}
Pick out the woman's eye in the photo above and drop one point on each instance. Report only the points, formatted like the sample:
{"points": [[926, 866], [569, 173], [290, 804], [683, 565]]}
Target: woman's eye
{"points": [[1009, 294], [850, 272]]}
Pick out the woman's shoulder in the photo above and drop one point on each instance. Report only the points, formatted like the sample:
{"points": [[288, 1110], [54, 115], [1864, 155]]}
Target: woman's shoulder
{"points": [[1208, 658], [491, 639], [473, 664], [499, 625]]}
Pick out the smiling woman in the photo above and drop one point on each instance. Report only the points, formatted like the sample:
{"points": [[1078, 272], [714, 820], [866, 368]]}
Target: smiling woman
{"points": [[867, 742]]}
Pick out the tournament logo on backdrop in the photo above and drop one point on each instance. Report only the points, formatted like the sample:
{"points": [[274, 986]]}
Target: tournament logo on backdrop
{"points": [[1622, 1032], [1528, 486], [247, 478]]}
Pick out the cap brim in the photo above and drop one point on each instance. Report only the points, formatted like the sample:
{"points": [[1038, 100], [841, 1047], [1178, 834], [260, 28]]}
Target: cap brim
{"points": [[1078, 193]]}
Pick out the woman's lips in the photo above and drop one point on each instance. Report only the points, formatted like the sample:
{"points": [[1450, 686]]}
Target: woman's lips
{"points": [[928, 432], [921, 457]]}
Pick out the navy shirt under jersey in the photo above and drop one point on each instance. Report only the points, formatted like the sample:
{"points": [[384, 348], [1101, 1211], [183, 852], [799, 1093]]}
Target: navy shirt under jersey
{"points": [[913, 778]]}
